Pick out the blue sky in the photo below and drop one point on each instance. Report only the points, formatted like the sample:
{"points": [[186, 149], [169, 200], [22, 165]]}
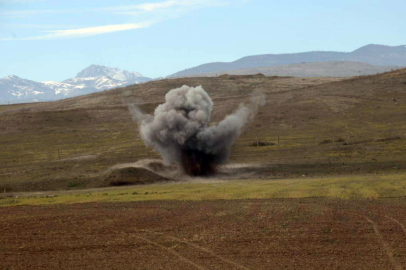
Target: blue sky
{"points": [[53, 40]]}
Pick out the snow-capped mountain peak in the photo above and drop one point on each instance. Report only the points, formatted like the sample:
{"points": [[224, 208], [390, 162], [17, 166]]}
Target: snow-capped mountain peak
{"points": [[13, 87], [114, 73], [92, 79], [12, 77]]}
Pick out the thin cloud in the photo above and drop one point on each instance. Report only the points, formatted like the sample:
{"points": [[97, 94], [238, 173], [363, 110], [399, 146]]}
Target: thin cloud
{"points": [[170, 5], [19, 1], [146, 7], [85, 32], [18, 14], [35, 26], [162, 11], [154, 6], [148, 13]]}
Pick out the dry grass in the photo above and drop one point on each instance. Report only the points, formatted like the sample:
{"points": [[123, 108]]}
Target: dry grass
{"points": [[94, 132]]}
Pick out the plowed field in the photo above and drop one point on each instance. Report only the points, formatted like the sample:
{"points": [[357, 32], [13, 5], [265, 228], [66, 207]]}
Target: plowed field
{"points": [[221, 234]]}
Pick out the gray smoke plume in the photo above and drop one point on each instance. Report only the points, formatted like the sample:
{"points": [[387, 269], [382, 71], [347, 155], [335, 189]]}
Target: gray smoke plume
{"points": [[179, 129]]}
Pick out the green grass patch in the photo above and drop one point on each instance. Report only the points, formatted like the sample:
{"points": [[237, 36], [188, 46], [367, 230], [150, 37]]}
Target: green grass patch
{"points": [[345, 187], [75, 185]]}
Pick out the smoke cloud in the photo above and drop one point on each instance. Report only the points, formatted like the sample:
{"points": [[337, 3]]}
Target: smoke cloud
{"points": [[180, 129]]}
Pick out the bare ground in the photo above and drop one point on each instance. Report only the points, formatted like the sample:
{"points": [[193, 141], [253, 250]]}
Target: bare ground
{"points": [[235, 234]]}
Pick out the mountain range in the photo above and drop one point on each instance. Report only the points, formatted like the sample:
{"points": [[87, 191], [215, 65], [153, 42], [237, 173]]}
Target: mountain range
{"points": [[380, 55], [94, 78], [309, 69], [366, 60]]}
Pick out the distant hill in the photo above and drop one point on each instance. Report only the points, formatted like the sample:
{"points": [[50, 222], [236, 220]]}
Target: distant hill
{"points": [[313, 69], [94, 78], [371, 54]]}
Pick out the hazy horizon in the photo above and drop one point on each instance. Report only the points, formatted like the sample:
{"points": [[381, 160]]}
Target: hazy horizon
{"points": [[42, 40]]}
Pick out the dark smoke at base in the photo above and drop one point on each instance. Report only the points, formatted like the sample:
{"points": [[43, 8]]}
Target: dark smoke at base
{"points": [[197, 163], [181, 133]]}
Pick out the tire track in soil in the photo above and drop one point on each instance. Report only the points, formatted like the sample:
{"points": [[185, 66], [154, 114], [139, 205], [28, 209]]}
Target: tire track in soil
{"points": [[397, 222], [201, 248], [170, 251], [387, 248]]}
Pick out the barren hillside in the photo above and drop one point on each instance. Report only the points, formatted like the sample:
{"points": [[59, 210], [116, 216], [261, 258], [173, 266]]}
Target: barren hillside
{"points": [[324, 125]]}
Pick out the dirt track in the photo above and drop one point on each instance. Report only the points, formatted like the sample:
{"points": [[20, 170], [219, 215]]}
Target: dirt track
{"points": [[243, 234]]}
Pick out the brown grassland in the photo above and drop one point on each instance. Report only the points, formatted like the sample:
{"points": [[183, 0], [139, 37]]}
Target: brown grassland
{"points": [[317, 180]]}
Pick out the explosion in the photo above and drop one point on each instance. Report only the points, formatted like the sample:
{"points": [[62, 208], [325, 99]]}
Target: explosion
{"points": [[180, 129]]}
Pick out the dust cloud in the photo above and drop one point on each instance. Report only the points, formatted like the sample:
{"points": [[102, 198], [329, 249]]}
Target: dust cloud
{"points": [[180, 129]]}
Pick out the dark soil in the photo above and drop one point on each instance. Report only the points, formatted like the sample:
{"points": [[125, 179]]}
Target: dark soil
{"points": [[240, 234], [132, 176]]}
